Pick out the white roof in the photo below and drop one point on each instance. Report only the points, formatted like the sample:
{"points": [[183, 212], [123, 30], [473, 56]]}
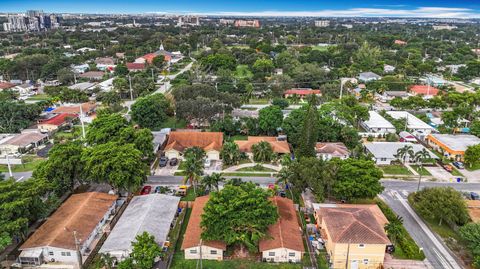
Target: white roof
{"points": [[388, 150], [106, 85], [413, 122], [152, 213], [377, 121], [82, 86], [457, 142]]}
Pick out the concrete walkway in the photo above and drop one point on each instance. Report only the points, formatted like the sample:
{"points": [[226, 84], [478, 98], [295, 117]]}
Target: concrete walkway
{"points": [[411, 169], [245, 165]]}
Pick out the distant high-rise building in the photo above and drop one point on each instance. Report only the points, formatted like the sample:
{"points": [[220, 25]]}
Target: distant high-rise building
{"points": [[32, 21], [247, 23], [188, 20], [322, 23]]}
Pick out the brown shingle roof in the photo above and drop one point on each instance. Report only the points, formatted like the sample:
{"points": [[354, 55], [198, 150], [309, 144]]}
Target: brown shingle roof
{"points": [[277, 146], [81, 213], [359, 224], [75, 109], [334, 148], [25, 139], [194, 231], [286, 233], [205, 140], [92, 74]]}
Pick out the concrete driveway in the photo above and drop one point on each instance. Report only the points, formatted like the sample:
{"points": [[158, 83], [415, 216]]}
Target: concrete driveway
{"points": [[472, 176], [440, 174], [167, 170]]}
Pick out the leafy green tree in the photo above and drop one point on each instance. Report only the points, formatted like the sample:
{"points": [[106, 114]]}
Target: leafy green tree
{"points": [[121, 70], [143, 141], [470, 233], [230, 153], [281, 102], [309, 135], [65, 76], [111, 99], [394, 229], [293, 126], [211, 182], [367, 57], [239, 214], [106, 128], [472, 155], [63, 168], [262, 152], [15, 116], [356, 179], [444, 204], [159, 62], [214, 62], [119, 165], [145, 251], [270, 119], [150, 111]]}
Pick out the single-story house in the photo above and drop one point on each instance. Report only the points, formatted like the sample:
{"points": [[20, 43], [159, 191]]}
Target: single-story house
{"points": [[368, 76], [81, 68], [278, 146], [54, 123], [238, 113], [426, 90], [407, 137], [436, 81], [452, 146], [79, 220], [135, 67], [284, 241], [25, 88], [384, 153], [93, 75], [354, 229], [159, 138], [377, 124], [83, 86], [87, 109], [106, 85], [414, 124], [152, 213], [388, 68], [329, 150], [192, 245], [22, 143], [210, 142], [85, 49], [105, 63], [301, 92]]}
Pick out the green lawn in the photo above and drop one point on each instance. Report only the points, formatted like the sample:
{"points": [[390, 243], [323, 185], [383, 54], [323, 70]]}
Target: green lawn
{"points": [[246, 174], [259, 101], [239, 137], [28, 166], [395, 169], [423, 171], [457, 173], [174, 124], [39, 97], [256, 168], [242, 71], [473, 167]]}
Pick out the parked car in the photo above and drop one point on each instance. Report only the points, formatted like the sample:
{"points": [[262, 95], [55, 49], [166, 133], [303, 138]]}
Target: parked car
{"points": [[448, 167], [458, 165], [474, 196], [173, 161], [207, 163], [163, 161], [157, 189], [146, 190]]}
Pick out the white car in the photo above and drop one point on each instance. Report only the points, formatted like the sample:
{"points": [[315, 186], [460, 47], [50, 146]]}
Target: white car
{"points": [[207, 163]]}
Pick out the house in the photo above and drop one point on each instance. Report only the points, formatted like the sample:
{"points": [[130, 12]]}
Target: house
{"points": [[454, 68], [80, 69], [210, 142], [278, 146], [426, 90], [452, 146], [25, 89], [390, 95], [22, 143], [78, 221], [407, 137], [473, 207], [354, 235], [377, 124], [238, 113], [106, 85], [56, 122], [192, 245], [284, 241], [436, 81], [135, 67], [329, 150], [400, 42], [153, 213], [159, 138], [301, 92], [83, 86], [6, 86], [368, 76], [414, 124], [93, 75], [384, 153], [85, 49], [146, 59], [388, 68], [105, 64], [86, 109]]}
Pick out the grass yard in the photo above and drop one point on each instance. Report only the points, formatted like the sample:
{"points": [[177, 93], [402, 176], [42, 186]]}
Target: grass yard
{"points": [[257, 168], [473, 167], [27, 166], [239, 137], [423, 171], [456, 173], [395, 169], [180, 263], [190, 195], [246, 174], [171, 122], [39, 97], [259, 101]]}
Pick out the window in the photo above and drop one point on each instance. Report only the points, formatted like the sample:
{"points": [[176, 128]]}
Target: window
{"points": [[271, 253], [361, 245], [67, 253], [63, 253], [291, 254], [193, 251], [383, 159], [50, 253], [365, 261], [213, 252]]}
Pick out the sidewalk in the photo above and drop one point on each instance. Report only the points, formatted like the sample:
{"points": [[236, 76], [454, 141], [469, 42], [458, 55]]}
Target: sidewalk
{"points": [[245, 165]]}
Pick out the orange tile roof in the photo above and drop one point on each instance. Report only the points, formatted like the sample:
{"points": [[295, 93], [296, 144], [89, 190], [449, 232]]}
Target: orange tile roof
{"points": [[359, 224], [473, 207], [286, 233], [75, 109], [206, 140], [194, 231], [149, 57], [334, 148], [6, 85], [58, 119], [424, 89], [302, 91], [81, 213], [135, 66], [277, 146]]}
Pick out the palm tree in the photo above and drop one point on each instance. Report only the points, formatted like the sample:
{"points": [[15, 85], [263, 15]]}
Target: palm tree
{"points": [[420, 157], [394, 229], [404, 152], [262, 152], [193, 166], [212, 181], [230, 153], [106, 261]]}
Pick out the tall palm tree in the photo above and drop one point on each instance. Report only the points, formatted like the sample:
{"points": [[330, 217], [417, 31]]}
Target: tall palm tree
{"points": [[194, 158], [107, 261], [262, 152], [394, 229], [420, 157], [212, 181], [404, 152]]}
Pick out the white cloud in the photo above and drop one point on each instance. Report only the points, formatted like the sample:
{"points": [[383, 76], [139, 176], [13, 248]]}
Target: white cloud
{"points": [[421, 12]]}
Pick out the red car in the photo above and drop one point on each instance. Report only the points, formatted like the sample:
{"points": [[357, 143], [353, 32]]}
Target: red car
{"points": [[146, 190]]}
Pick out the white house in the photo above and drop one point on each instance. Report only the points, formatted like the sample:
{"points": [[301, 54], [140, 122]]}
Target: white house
{"points": [[388, 68], [193, 246], [377, 124], [384, 153], [414, 124], [368, 76], [153, 213], [82, 218], [284, 242]]}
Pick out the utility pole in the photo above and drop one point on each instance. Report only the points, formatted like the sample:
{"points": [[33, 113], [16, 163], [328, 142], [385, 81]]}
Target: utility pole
{"points": [[77, 247], [81, 120], [9, 166], [131, 90], [74, 77]]}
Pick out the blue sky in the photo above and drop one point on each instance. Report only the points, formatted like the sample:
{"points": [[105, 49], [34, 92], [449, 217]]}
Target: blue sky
{"points": [[428, 8]]}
